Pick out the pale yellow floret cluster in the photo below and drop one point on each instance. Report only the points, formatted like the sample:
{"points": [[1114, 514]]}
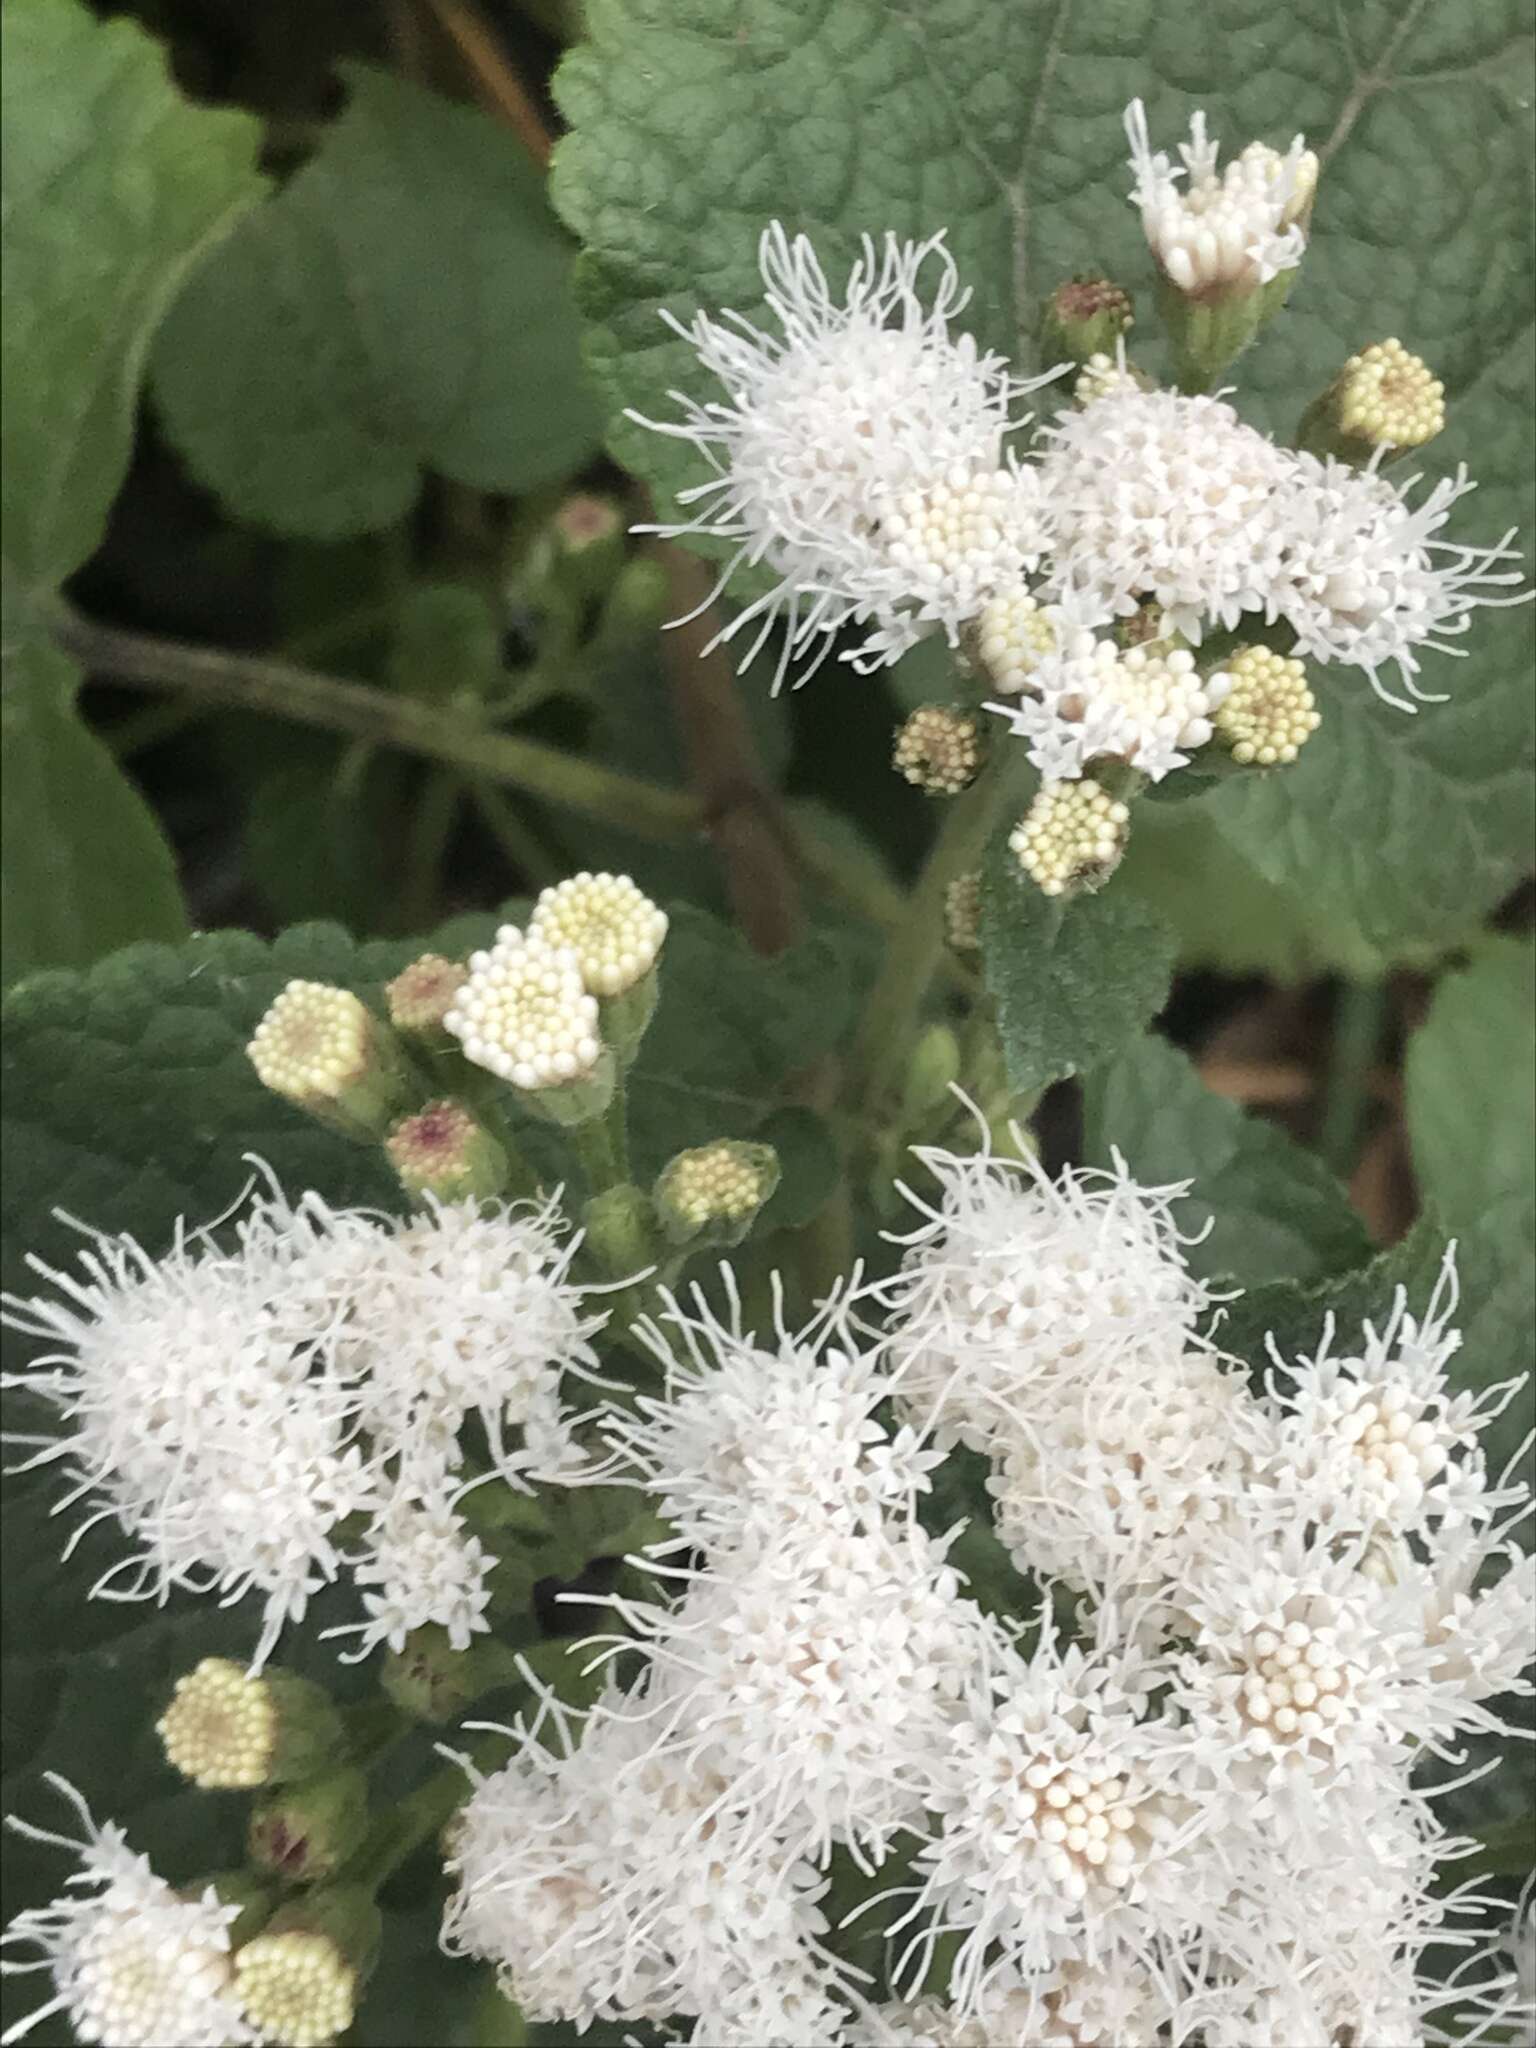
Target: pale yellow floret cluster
{"points": [[962, 913], [433, 1143], [421, 996], [314, 1042], [1268, 714], [1071, 833], [1101, 375], [1387, 395], [1015, 633], [525, 1015], [614, 931], [937, 751], [1078, 1812], [715, 1183], [297, 1988], [220, 1728]]}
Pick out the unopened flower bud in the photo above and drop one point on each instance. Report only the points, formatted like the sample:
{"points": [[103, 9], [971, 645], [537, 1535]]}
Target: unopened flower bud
{"points": [[616, 933], [1146, 625], [321, 1048], [1084, 318], [937, 750], [444, 1151], [962, 913], [227, 1730], [524, 1015], [306, 1831], [432, 1681], [619, 1230], [1014, 633], [1071, 837], [421, 996], [932, 1070], [1382, 398], [715, 1191], [1268, 714], [588, 536], [298, 1980]]}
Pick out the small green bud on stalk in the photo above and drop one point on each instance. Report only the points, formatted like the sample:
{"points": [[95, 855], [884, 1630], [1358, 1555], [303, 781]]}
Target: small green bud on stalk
{"points": [[443, 1150], [421, 996], [932, 1071], [431, 1681], [305, 1832], [225, 1730], [1084, 317], [321, 1048], [299, 1978], [712, 1194], [587, 533]]}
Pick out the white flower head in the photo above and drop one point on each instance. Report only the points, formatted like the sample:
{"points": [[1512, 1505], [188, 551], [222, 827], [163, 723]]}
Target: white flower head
{"points": [[132, 1960], [1148, 494], [199, 1410], [1087, 700], [1063, 1826], [1013, 1282], [614, 931], [1232, 230], [755, 1445], [419, 1565], [1380, 1441], [859, 451], [524, 1013], [1364, 579]]}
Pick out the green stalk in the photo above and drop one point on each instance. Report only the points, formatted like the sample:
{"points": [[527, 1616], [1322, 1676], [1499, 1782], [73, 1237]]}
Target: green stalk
{"points": [[1357, 1029], [917, 947]]}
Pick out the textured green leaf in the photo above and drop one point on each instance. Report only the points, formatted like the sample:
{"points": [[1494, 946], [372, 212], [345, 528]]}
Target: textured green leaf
{"points": [[693, 128], [402, 302], [113, 185], [1470, 1086], [83, 864], [1273, 1209], [1074, 979]]}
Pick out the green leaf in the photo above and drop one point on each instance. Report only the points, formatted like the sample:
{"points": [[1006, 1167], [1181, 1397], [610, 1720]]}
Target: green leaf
{"points": [[1470, 1086], [1273, 1209], [83, 864], [402, 302], [1073, 978], [114, 184], [693, 128]]}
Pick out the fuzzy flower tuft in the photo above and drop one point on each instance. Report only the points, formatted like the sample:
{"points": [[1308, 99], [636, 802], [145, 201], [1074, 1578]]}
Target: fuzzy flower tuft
{"points": [[858, 452], [132, 1961]]}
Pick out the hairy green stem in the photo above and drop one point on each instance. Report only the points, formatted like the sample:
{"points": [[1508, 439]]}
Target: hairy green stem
{"points": [[253, 683], [1357, 1028], [917, 947]]}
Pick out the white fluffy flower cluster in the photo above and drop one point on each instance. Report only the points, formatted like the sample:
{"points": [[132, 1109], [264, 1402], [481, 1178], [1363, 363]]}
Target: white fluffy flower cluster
{"points": [[865, 478], [132, 1961], [1177, 1806], [244, 1403]]}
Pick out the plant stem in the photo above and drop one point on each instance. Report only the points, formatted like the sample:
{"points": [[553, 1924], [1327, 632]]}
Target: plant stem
{"points": [[532, 860], [1357, 1028], [144, 729], [252, 683], [616, 1116], [428, 834], [593, 1145], [916, 949]]}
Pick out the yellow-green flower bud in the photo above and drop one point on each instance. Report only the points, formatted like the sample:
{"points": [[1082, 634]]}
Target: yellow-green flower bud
{"points": [[932, 1070], [432, 1681], [937, 750], [714, 1192], [225, 1730], [321, 1048], [445, 1151], [304, 1832], [1071, 837], [1084, 317], [421, 996], [1269, 713], [299, 1979], [1384, 397]]}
